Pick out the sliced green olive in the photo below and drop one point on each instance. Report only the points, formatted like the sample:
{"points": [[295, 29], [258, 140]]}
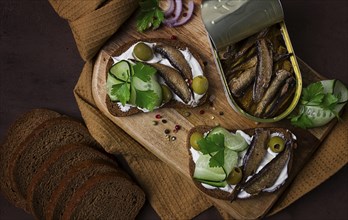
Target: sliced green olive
{"points": [[166, 94], [200, 84], [235, 176], [195, 137], [143, 52], [276, 144]]}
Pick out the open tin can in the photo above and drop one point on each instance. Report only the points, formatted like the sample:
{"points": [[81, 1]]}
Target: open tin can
{"points": [[252, 34]]}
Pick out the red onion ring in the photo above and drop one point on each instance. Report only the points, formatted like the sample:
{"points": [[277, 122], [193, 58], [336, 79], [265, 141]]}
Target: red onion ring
{"points": [[170, 8], [189, 12], [177, 12]]}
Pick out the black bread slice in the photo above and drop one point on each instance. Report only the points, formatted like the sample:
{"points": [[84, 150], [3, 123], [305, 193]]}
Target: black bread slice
{"points": [[37, 147], [16, 134], [53, 170], [220, 194], [72, 181], [105, 196], [113, 107]]}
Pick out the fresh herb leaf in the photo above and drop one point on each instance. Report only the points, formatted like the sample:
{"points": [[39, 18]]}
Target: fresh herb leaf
{"points": [[122, 92], [315, 106], [146, 99], [218, 159], [143, 72], [214, 146], [313, 94], [302, 121], [329, 101], [150, 16]]}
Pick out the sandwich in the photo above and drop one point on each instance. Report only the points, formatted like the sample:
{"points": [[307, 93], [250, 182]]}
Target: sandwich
{"points": [[232, 165], [147, 74]]}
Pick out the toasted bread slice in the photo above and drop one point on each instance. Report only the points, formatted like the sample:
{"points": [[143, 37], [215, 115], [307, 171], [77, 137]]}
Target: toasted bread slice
{"points": [[113, 107], [254, 181]]}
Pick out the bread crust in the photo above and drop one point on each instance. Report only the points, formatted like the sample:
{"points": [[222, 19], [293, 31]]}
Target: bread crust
{"points": [[113, 107], [220, 194], [76, 171], [32, 138], [96, 180], [16, 134]]}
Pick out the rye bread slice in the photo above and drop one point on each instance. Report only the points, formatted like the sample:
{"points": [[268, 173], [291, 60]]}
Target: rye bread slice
{"points": [[105, 196], [16, 134], [72, 181], [220, 194], [113, 107], [53, 170], [37, 147]]}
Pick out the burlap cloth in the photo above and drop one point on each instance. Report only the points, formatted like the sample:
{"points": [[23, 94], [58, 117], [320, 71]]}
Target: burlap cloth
{"points": [[92, 23]]}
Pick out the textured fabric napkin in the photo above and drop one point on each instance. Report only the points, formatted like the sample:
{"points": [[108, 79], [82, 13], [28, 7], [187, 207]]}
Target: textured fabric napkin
{"points": [[93, 22], [169, 194]]}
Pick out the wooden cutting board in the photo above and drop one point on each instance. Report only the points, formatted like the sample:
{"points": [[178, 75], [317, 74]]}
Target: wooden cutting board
{"points": [[218, 111]]}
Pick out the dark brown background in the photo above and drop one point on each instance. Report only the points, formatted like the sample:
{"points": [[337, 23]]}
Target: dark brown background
{"points": [[40, 64]]}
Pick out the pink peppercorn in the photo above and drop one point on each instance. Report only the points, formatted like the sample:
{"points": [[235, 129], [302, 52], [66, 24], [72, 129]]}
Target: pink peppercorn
{"points": [[177, 127]]}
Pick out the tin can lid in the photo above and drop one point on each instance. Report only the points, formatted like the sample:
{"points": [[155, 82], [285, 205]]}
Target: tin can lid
{"points": [[229, 21]]}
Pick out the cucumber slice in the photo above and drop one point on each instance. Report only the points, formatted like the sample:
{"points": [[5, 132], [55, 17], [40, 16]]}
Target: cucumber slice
{"points": [[328, 85], [337, 88], [111, 80], [236, 142], [319, 116], [205, 172], [209, 174], [133, 96], [341, 91], [230, 160], [219, 130], [121, 70], [212, 183], [232, 141]]}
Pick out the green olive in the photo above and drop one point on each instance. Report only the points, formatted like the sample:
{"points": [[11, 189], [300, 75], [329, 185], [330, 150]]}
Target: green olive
{"points": [[235, 176], [195, 137], [276, 144], [166, 94], [143, 52], [200, 84]]}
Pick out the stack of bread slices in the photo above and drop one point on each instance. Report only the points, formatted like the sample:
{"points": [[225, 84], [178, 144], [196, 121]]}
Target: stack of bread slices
{"points": [[51, 167]]}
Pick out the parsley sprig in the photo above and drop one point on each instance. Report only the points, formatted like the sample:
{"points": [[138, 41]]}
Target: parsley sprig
{"points": [[121, 91], [143, 99], [314, 96], [150, 15], [214, 146]]}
